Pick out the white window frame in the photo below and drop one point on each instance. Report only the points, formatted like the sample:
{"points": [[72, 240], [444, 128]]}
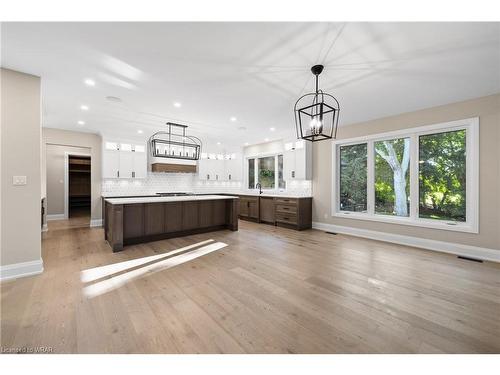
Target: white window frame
{"points": [[256, 171], [471, 225]]}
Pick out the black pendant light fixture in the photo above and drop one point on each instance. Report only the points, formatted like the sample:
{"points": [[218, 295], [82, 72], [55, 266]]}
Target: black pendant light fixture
{"points": [[175, 143], [317, 113]]}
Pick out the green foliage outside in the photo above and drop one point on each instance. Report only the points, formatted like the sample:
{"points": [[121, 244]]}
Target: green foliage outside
{"points": [[266, 178], [266, 172], [353, 164], [442, 176]]}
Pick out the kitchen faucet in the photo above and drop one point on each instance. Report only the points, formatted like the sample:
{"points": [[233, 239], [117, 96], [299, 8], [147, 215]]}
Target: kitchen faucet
{"points": [[259, 186]]}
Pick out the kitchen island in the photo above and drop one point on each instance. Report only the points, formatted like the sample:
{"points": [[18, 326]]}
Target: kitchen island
{"points": [[143, 219]]}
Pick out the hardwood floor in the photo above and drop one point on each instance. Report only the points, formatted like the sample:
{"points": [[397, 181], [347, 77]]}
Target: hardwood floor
{"points": [[259, 290]]}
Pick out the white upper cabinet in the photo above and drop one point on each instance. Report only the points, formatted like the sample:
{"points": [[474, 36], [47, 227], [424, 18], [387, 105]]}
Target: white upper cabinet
{"points": [[219, 167], [140, 164], [124, 160], [297, 160], [233, 168], [111, 164]]}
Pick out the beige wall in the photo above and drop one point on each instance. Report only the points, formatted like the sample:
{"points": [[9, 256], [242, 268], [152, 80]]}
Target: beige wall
{"points": [[488, 111], [55, 159], [20, 156], [88, 141]]}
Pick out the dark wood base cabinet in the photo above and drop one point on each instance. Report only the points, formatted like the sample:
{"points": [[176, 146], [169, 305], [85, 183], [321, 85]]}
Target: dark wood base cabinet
{"points": [[133, 223], [294, 213]]}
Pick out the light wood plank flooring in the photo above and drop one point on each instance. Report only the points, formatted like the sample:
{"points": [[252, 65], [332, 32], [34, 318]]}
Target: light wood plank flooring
{"points": [[265, 290]]}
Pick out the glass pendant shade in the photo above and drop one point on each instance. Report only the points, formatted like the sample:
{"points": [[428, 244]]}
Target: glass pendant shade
{"points": [[317, 113]]}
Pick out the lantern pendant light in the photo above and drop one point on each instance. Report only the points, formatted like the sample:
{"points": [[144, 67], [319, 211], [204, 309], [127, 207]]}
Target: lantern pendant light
{"points": [[316, 114]]}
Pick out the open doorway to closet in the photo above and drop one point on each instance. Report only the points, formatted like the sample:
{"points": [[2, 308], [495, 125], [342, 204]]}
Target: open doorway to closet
{"points": [[78, 188]]}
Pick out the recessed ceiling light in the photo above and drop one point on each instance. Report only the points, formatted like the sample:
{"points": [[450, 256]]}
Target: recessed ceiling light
{"points": [[140, 131], [89, 82], [81, 122], [84, 107], [272, 129], [266, 139], [218, 143], [246, 143], [233, 119], [177, 105]]}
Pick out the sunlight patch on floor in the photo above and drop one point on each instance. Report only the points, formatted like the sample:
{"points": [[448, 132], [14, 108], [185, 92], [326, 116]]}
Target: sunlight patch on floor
{"points": [[93, 274], [115, 282]]}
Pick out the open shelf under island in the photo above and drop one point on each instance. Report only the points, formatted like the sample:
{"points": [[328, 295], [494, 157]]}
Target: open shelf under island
{"points": [[135, 220]]}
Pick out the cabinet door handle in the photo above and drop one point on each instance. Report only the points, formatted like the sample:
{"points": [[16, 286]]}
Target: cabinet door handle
{"points": [[118, 174], [229, 176], [293, 174], [216, 176], [133, 174], [208, 177]]}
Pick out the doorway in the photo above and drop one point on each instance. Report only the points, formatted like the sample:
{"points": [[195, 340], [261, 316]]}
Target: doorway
{"points": [[78, 186]]}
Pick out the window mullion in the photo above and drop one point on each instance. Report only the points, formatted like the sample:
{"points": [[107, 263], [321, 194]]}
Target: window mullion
{"points": [[414, 186], [370, 178], [256, 171]]}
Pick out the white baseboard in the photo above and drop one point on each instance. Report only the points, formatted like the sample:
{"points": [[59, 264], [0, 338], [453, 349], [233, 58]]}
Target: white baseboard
{"points": [[55, 217], [16, 270], [96, 223], [445, 247], [45, 227]]}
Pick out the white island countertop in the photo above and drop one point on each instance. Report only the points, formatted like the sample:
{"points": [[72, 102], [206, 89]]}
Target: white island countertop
{"points": [[168, 199]]}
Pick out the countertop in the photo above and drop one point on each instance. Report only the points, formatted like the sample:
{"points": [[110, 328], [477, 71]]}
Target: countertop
{"points": [[275, 195], [168, 199], [105, 195]]}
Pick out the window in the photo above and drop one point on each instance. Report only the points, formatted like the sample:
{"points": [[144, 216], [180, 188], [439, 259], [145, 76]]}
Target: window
{"points": [[251, 173], [425, 176], [392, 177], [442, 176], [266, 170], [281, 181], [353, 160]]}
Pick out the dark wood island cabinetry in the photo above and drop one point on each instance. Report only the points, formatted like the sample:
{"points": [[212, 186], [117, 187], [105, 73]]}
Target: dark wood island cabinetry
{"points": [[135, 220]]}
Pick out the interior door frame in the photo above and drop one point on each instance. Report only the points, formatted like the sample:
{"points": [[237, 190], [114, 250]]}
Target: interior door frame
{"points": [[67, 154]]}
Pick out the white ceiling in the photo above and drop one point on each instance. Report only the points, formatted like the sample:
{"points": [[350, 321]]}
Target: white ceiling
{"points": [[253, 71]]}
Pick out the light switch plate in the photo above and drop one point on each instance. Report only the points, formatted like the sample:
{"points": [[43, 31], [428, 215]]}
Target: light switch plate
{"points": [[19, 180]]}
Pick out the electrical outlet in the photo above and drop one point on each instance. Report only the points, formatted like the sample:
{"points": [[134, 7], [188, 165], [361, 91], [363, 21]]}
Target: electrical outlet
{"points": [[19, 180]]}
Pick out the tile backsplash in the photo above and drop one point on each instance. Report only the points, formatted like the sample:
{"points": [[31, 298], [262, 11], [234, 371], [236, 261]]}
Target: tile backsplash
{"points": [[188, 182]]}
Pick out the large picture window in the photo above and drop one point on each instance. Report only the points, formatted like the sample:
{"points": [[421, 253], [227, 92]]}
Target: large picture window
{"points": [[425, 176]]}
